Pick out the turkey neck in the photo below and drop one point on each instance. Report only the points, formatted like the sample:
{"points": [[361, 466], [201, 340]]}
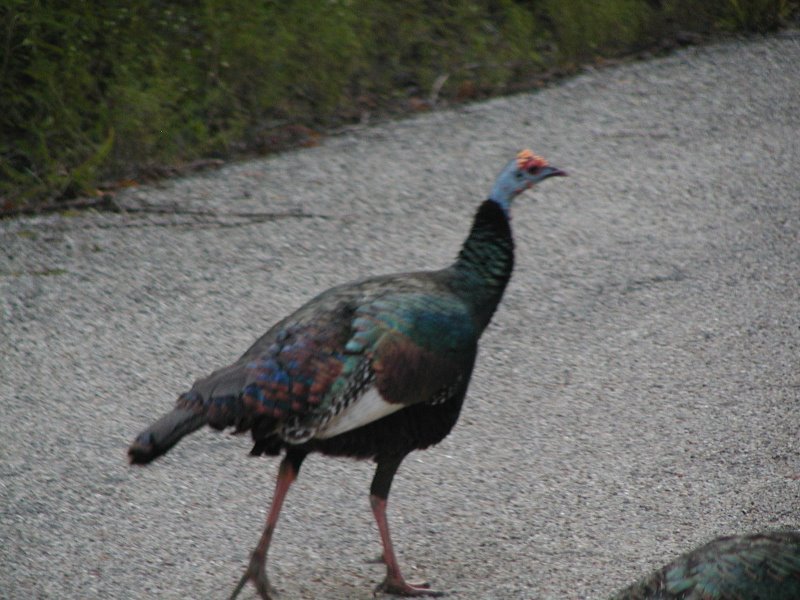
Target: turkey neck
{"points": [[484, 265]]}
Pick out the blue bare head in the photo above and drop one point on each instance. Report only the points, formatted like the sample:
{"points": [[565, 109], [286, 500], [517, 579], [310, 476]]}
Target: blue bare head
{"points": [[525, 171]]}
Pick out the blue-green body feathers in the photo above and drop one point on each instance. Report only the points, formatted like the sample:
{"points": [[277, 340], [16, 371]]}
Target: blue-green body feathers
{"points": [[763, 566]]}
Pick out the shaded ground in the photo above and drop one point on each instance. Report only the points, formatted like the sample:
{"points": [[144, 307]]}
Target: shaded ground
{"points": [[637, 393]]}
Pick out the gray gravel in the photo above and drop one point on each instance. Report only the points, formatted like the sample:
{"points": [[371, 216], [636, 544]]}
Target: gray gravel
{"points": [[637, 393]]}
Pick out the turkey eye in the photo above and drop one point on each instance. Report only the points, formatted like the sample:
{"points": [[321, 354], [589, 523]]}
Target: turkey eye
{"points": [[518, 175]]}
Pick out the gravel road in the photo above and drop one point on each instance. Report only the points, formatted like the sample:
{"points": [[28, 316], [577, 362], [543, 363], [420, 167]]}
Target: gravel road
{"points": [[637, 393]]}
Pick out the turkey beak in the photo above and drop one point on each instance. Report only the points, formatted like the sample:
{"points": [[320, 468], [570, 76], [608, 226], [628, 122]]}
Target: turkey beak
{"points": [[552, 172]]}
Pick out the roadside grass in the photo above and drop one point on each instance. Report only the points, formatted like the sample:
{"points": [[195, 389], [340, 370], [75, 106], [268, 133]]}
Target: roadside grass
{"points": [[97, 94]]}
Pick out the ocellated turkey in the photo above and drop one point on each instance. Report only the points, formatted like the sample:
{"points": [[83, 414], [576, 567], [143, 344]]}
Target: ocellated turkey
{"points": [[371, 369], [759, 566]]}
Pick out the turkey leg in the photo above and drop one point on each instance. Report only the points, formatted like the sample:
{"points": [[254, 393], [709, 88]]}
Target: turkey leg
{"points": [[257, 569], [379, 492]]}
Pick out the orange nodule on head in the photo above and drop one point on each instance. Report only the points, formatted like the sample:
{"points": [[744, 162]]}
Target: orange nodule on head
{"points": [[527, 159]]}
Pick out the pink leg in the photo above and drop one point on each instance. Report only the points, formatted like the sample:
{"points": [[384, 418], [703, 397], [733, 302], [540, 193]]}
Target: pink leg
{"points": [[257, 569], [394, 582]]}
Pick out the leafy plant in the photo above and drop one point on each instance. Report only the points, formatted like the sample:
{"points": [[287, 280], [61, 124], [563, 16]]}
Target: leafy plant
{"points": [[96, 91], [755, 15]]}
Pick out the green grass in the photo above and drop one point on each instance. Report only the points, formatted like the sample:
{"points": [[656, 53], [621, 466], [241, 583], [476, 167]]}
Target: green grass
{"points": [[101, 91], [756, 16], [586, 28]]}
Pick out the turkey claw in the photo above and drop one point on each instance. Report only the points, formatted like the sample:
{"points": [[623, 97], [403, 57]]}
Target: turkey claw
{"points": [[258, 576], [401, 588]]}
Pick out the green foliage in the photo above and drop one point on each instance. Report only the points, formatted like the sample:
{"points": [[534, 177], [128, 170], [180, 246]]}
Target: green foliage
{"points": [[416, 42], [98, 90], [755, 15], [48, 78], [729, 15], [584, 28]]}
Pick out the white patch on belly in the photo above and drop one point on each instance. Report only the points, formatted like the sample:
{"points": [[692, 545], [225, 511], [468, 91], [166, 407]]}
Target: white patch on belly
{"points": [[369, 407]]}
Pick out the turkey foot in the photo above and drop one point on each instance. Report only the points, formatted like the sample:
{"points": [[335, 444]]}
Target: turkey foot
{"points": [[257, 569], [257, 573], [399, 587]]}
